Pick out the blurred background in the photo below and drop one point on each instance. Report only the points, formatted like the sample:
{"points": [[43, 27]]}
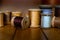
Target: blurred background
{"points": [[24, 5]]}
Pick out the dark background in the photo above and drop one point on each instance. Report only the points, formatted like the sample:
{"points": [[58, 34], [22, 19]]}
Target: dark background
{"points": [[19, 5], [24, 5]]}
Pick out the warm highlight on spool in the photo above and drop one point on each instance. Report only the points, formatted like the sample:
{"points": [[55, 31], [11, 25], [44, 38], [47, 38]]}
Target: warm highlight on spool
{"points": [[35, 17], [16, 14]]}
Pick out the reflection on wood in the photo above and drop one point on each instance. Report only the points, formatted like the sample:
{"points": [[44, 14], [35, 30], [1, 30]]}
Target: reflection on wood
{"points": [[52, 34], [6, 32], [29, 34]]}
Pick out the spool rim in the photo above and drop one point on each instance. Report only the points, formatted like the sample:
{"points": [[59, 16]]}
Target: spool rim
{"points": [[57, 6], [12, 21], [23, 22], [46, 5], [53, 21], [34, 9], [16, 12]]}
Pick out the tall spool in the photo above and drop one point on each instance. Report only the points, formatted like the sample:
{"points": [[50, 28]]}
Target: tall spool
{"points": [[7, 17], [46, 16], [16, 14], [57, 10], [1, 19], [35, 17], [56, 22]]}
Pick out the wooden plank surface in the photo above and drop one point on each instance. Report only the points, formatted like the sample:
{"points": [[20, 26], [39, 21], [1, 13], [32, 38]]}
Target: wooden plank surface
{"points": [[6, 32], [29, 34], [52, 33]]}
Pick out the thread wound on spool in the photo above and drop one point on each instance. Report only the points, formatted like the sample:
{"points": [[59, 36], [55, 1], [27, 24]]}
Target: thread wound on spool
{"points": [[16, 21], [46, 21], [46, 16], [35, 17]]}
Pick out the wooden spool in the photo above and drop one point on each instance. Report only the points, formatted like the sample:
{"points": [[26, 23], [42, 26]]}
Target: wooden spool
{"points": [[7, 17], [16, 14], [26, 22], [35, 17]]}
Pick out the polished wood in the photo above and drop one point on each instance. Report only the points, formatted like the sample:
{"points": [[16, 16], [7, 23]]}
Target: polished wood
{"points": [[11, 33], [38, 34], [29, 34], [6, 32], [52, 33]]}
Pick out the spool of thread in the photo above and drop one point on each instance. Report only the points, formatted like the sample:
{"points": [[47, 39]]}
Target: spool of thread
{"points": [[26, 22], [46, 16], [46, 21], [7, 17], [1, 19], [56, 22], [35, 17], [16, 21], [16, 14], [57, 10]]}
